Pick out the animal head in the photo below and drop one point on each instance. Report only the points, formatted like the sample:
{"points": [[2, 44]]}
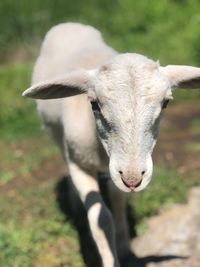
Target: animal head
{"points": [[127, 96]]}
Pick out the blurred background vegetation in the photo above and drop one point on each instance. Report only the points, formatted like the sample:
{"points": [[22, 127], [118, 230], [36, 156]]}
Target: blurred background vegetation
{"points": [[168, 30]]}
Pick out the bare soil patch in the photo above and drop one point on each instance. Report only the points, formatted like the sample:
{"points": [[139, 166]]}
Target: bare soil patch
{"points": [[173, 236], [176, 136]]}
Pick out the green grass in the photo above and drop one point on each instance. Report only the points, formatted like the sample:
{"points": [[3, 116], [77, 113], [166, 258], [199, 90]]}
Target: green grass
{"points": [[22, 157], [167, 30], [194, 147], [195, 126], [30, 229], [187, 95], [18, 117], [16, 245]]}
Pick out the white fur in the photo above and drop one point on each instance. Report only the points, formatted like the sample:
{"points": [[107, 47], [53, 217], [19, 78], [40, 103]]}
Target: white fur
{"points": [[130, 90]]}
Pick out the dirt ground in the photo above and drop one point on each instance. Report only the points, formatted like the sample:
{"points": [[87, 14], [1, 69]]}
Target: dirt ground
{"points": [[179, 139], [173, 236]]}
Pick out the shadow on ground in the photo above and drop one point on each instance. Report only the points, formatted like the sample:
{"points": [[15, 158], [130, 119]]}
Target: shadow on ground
{"points": [[70, 204]]}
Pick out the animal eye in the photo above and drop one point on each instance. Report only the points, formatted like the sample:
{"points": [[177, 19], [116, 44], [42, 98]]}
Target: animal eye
{"points": [[165, 103], [95, 106]]}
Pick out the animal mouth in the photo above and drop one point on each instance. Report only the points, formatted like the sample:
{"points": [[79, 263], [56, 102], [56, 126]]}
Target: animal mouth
{"points": [[131, 185]]}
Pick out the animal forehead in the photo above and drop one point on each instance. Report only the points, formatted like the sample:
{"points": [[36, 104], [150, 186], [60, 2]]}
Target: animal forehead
{"points": [[129, 60], [133, 74]]}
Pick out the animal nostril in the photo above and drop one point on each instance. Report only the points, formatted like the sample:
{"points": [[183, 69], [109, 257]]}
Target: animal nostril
{"points": [[121, 172], [138, 184], [143, 172]]}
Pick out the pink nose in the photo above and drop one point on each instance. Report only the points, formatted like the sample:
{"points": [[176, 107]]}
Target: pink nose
{"points": [[132, 184], [129, 178]]}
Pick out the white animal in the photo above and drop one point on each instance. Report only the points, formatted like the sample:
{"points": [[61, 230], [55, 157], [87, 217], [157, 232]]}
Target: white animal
{"points": [[103, 110]]}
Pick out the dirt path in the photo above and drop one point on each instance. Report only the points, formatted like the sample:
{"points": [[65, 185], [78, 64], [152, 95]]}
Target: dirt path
{"points": [[179, 139], [173, 236]]}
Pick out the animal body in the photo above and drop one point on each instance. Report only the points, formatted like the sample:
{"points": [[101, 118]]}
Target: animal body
{"points": [[103, 110]]}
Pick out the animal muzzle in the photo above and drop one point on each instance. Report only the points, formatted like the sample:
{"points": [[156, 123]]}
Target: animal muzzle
{"points": [[132, 183], [129, 178]]}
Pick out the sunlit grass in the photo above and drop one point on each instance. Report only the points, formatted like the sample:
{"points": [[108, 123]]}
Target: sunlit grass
{"points": [[18, 116], [195, 126], [193, 147], [33, 232], [164, 30]]}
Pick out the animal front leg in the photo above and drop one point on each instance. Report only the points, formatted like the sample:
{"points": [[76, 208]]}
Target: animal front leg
{"points": [[118, 202], [99, 216]]}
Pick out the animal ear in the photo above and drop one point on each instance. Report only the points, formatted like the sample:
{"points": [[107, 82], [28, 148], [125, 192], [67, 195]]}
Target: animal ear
{"points": [[74, 83], [182, 76]]}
